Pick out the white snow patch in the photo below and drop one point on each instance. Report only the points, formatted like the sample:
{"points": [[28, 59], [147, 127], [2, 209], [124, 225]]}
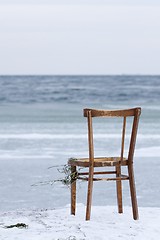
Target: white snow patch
{"points": [[105, 223]]}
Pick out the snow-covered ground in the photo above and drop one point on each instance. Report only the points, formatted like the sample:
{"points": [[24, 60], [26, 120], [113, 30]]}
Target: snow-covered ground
{"points": [[105, 224]]}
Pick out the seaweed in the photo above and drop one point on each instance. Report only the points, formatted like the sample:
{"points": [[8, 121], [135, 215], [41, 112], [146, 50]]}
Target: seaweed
{"points": [[17, 225]]}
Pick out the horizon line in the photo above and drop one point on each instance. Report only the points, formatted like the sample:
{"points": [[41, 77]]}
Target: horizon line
{"points": [[61, 75]]}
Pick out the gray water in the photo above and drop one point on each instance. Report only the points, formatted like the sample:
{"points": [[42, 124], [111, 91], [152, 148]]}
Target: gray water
{"points": [[42, 125]]}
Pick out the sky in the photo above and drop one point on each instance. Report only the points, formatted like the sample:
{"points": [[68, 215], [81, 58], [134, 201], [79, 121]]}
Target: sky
{"points": [[62, 37]]}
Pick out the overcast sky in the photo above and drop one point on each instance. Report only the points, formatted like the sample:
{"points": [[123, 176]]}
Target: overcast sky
{"points": [[86, 37]]}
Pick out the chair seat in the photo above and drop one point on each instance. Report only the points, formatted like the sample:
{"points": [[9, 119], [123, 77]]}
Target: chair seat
{"points": [[98, 162]]}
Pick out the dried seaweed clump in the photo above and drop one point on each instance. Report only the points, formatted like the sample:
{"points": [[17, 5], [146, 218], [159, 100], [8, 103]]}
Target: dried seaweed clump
{"points": [[17, 225]]}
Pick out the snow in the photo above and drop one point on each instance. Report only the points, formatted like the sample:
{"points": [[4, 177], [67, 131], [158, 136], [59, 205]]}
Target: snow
{"points": [[105, 224]]}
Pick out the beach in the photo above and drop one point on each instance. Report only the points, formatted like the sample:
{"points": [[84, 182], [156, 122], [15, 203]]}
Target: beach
{"points": [[58, 224], [58, 58], [42, 126]]}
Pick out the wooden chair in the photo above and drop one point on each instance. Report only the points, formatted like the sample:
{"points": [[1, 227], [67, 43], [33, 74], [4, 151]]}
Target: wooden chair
{"points": [[93, 162]]}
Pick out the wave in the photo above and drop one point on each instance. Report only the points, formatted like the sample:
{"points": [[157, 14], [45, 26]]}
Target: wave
{"points": [[148, 152], [141, 152], [79, 89], [22, 156], [32, 136]]}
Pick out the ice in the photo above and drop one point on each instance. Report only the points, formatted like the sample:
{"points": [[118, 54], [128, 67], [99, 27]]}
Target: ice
{"points": [[148, 152]]}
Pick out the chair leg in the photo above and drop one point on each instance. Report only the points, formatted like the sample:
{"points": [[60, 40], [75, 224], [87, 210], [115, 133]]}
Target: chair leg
{"points": [[119, 190], [73, 190], [89, 195], [133, 192]]}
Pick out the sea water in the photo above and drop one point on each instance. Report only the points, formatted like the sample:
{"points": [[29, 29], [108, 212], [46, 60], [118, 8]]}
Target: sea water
{"points": [[42, 125]]}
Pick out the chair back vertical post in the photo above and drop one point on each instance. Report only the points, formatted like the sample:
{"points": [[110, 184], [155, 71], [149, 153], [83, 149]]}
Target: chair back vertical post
{"points": [[91, 165], [90, 138], [123, 138], [133, 135], [130, 163]]}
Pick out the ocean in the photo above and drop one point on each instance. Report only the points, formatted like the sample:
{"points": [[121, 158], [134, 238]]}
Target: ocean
{"points": [[42, 125]]}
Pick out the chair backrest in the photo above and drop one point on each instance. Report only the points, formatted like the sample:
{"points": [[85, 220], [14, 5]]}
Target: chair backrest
{"points": [[133, 112]]}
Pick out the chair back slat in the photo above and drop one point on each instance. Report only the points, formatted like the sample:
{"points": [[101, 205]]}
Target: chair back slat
{"points": [[111, 113], [123, 137], [90, 138]]}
